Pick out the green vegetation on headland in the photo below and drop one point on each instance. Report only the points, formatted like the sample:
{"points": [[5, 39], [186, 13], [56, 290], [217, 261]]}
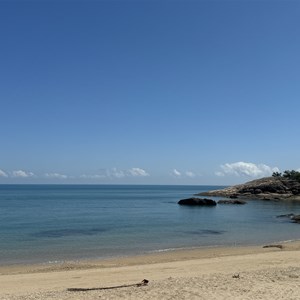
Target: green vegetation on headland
{"points": [[292, 175]]}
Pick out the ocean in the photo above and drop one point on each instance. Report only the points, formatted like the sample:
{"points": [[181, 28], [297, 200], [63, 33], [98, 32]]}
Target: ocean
{"points": [[55, 223]]}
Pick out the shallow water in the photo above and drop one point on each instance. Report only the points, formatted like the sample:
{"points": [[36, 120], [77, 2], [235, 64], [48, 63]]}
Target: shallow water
{"points": [[46, 223]]}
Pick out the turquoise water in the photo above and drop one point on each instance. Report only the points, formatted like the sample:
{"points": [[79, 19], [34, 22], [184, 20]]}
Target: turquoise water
{"points": [[48, 223]]}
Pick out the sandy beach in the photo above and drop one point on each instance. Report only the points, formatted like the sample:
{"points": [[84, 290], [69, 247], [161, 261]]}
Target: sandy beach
{"points": [[207, 273]]}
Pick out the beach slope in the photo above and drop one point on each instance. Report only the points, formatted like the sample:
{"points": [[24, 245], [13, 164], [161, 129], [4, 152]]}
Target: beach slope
{"points": [[214, 273]]}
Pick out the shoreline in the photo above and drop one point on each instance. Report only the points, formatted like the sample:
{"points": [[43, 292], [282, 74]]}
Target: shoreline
{"points": [[171, 274], [152, 257], [127, 257], [156, 256]]}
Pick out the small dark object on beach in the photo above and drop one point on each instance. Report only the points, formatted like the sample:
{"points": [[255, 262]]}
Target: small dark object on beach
{"points": [[273, 246], [144, 282], [236, 275]]}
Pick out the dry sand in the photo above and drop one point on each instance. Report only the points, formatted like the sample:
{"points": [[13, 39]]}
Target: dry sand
{"points": [[211, 273]]}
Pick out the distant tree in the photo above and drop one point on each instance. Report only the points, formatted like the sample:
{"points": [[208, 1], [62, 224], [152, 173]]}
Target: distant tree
{"points": [[288, 174], [276, 174], [294, 175]]}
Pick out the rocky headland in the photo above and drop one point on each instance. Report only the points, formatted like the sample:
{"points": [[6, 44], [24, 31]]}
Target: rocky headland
{"points": [[267, 188]]}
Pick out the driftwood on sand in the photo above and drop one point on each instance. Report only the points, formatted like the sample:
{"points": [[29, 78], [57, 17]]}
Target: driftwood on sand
{"points": [[273, 246], [144, 282]]}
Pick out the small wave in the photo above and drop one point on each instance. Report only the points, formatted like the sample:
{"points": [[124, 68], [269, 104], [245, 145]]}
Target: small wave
{"points": [[55, 262], [290, 241], [172, 249]]}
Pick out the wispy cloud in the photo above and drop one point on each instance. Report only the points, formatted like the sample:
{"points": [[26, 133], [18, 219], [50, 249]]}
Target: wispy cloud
{"points": [[3, 174], [115, 173], [182, 174], [190, 174], [135, 172], [92, 176], [138, 172], [219, 173], [21, 174], [246, 169], [56, 176], [176, 173]]}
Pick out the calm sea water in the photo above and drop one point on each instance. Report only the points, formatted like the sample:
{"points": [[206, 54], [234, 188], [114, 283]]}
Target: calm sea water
{"points": [[49, 223]]}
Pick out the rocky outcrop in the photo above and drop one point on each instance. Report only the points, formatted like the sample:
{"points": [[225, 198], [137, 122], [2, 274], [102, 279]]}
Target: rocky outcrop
{"points": [[286, 216], [292, 217], [268, 188], [296, 218], [231, 201], [197, 202]]}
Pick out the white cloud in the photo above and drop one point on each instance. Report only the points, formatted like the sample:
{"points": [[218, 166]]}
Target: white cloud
{"points": [[56, 175], [246, 169], [220, 174], [3, 174], [137, 172], [183, 174], [190, 174], [92, 176], [176, 173], [114, 172], [22, 174]]}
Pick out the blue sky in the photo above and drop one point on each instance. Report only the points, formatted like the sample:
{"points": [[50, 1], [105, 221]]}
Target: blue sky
{"points": [[148, 92]]}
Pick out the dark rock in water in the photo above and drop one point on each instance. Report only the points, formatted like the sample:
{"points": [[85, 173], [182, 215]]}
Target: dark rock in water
{"points": [[286, 216], [293, 217], [296, 218], [266, 199], [197, 202], [234, 196], [232, 202]]}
